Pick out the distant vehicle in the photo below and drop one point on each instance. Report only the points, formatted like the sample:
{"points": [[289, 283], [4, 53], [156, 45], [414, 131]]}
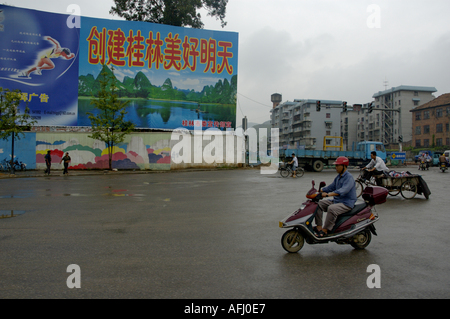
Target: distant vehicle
{"points": [[315, 160], [435, 158]]}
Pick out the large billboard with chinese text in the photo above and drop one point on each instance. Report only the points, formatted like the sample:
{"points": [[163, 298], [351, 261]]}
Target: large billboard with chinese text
{"points": [[173, 77]]}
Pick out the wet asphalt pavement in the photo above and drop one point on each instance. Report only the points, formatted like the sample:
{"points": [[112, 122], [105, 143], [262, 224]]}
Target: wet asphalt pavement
{"points": [[208, 234]]}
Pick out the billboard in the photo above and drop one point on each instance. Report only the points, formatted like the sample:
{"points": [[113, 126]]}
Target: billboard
{"points": [[173, 77], [39, 55]]}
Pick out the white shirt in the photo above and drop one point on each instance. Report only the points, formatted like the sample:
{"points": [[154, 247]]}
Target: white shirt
{"points": [[379, 165], [295, 160]]}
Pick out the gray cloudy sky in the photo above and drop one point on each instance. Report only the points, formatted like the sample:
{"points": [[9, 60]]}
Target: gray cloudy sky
{"points": [[322, 49]]}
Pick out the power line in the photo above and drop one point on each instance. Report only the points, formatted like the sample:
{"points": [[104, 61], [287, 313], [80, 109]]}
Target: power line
{"points": [[254, 100]]}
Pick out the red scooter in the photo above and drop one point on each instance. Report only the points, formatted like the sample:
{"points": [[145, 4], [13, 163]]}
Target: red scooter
{"points": [[354, 227]]}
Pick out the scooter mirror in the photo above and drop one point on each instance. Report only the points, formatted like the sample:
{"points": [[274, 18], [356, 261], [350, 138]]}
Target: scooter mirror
{"points": [[322, 184]]}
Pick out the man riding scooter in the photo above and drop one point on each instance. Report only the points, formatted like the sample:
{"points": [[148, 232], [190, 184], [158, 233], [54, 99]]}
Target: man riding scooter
{"points": [[425, 158], [344, 192], [443, 163]]}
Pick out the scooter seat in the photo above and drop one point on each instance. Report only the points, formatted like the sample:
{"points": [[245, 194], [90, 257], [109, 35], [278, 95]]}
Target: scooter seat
{"points": [[345, 216], [355, 210]]}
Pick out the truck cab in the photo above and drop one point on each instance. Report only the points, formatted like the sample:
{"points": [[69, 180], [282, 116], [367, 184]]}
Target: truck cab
{"points": [[368, 147]]}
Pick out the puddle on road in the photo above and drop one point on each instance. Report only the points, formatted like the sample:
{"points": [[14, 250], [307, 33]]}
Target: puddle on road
{"points": [[10, 213]]}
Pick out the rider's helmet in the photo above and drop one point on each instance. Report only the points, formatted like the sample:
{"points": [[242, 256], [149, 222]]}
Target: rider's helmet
{"points": [[342, 160]]}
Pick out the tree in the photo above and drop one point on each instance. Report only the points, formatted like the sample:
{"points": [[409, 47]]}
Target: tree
{"points": [[179, 13], [13, 122], [109, 124]]}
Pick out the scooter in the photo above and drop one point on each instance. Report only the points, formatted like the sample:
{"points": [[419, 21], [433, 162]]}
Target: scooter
{"points": [[443, 167], [423, 165], [354, 227]]}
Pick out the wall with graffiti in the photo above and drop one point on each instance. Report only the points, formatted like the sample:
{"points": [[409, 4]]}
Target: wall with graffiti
{"points": [[138, 151]]}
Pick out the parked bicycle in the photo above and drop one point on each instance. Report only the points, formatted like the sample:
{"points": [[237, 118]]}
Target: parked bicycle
{"points": [[19, 165], [5, 165], [287, 171]]}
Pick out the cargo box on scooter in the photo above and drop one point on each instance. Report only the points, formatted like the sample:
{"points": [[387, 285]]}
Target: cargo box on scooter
{"points": [[375, 195]]}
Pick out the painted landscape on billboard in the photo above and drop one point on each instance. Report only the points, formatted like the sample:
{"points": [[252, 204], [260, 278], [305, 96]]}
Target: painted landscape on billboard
{"points": [[173, 77]]}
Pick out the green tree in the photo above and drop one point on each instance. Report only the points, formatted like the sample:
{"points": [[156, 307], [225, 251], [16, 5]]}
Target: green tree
{"points": [[179, 13], [13, 122], [108, 124]]}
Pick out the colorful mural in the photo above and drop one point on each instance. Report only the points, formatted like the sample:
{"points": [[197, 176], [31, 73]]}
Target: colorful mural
{"points": [[138, 151]]}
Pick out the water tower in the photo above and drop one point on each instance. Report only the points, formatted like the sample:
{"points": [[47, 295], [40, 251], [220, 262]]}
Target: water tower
{"points": [[276, 99]]}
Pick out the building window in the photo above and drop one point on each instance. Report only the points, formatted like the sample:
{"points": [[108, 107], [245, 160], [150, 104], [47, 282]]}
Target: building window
{"points": [[416, 103], [328, 115], [446, 127], [416, 93], [439, 128], [426, 129], [439, 142], [399, 102], [418, 116], [418, 130], [426, 143], [417, 143], [426, 115], [438, 112], [447, 141]]}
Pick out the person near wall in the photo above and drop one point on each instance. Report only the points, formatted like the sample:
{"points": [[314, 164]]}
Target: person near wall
{"points": [[66, 159]]}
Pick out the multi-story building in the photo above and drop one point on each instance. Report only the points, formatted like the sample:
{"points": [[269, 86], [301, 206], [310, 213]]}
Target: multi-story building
{"points": [[387, 126], [302, 126], [349, 133], [430, 123]]}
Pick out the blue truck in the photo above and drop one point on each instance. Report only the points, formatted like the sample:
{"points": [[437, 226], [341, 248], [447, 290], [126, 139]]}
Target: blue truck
{"points": [[314, 160]]}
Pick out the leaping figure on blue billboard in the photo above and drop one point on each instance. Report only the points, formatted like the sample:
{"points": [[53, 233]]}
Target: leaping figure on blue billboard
{"points": [[45, 62]]}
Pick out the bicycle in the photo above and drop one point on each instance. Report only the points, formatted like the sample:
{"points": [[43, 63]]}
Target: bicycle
{"points": [[5, 165], [19, 165], [286, 171]]}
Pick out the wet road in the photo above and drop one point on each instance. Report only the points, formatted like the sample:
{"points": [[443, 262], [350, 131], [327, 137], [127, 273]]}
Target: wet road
{"points": [[207, 235]]}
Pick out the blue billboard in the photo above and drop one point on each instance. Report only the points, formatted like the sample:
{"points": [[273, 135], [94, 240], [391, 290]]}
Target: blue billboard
{"points": [[39, 57]]}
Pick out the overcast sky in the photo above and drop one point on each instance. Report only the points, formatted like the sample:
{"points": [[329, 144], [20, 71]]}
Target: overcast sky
{"points": [[321, 49]]}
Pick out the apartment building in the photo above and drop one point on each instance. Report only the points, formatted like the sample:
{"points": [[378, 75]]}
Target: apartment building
{"points": [[387, 126], [430, 123], [301, 126], [349, 133]]}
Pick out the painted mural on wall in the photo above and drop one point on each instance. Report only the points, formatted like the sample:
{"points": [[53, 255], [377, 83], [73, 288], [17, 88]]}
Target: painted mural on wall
{"points": [[24, 150], [138, 151]]}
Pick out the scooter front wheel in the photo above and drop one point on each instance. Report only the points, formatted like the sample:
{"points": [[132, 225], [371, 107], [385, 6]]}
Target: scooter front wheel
{"points": [[292, 241]]}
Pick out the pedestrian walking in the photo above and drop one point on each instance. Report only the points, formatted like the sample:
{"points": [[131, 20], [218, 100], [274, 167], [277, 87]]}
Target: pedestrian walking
{"points": [[48, 162], [66, 160]]}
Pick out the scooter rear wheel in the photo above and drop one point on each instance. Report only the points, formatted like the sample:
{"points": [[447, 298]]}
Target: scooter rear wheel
{"points": [[361, 240], [292, 241]]}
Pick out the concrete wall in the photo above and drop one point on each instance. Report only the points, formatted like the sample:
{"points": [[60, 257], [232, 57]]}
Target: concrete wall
{"points": [[206, 149], [143, 151]]}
